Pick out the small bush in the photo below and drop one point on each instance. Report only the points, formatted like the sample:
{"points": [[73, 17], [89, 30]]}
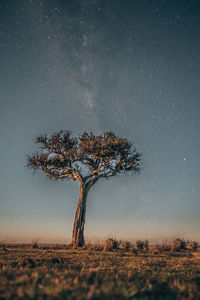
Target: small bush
{"points": [[193, 245], [56, 260], [134, 250], [146, 245], [125, 245], [3, 247], [27, 262], [179, 244], [111, 244], [155, 251], [34, 245], [142, 245]]}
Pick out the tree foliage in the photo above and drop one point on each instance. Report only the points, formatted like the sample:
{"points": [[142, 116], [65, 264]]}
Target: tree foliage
{"points": [[85, 158]]}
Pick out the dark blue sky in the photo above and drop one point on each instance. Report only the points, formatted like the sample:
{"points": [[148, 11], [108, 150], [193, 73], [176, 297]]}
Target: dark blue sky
{"points": [[127, 66]]}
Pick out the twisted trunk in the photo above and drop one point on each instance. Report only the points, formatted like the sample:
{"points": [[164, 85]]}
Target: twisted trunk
{"points": [[79, 221]]}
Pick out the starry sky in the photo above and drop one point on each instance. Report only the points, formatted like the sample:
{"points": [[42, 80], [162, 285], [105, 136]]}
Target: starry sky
{"points": [[130, 66]]}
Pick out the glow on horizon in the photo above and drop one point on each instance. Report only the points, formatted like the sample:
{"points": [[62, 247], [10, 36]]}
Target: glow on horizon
{"points": [[52, 231]]}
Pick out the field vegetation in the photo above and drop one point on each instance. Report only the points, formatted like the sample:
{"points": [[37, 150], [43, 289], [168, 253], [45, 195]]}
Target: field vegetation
{"points": [[115, 270]]}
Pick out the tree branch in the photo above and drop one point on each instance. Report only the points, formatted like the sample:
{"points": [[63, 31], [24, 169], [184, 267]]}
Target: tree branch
{"points": [[104, 156]]}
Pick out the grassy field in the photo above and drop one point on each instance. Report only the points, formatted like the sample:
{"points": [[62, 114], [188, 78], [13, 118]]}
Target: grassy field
{"points": [[66, 273]]}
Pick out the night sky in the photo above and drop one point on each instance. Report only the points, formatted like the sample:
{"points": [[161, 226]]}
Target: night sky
{"points": [[130, 66]]}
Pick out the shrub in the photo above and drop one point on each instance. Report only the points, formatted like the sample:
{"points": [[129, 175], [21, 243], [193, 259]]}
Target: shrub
{"points": [[193, 245], [27, 262], [34, 245], [134, 250], [142, 245], [111, 244], [146, 245], [155, 251], [179, 244], [3, 247], [125, 245], [56, 260]]}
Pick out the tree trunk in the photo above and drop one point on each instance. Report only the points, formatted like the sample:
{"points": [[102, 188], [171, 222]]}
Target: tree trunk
{"points": [[79, 221]]}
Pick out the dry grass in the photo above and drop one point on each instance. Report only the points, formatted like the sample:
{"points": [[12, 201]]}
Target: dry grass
{"points": [[66, 273], [163, 247], [3, 247], [111, 244], [125, 245], [34, 244], [193, 245], [142, 245], [179, 244]]}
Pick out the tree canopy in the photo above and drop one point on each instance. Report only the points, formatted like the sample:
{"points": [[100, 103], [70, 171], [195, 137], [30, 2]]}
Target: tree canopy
{"points": [[85, 158]]}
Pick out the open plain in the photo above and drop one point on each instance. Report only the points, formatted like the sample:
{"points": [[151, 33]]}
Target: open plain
{"points": [[61, 272]]}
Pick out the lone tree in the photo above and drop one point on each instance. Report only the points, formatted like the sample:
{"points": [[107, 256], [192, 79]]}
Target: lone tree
{"points": [[86, 159]]}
